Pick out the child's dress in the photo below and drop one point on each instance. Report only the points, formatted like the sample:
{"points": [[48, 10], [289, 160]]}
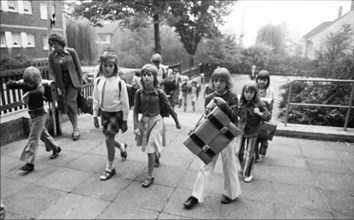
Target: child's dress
{"points": [[151, 124]]}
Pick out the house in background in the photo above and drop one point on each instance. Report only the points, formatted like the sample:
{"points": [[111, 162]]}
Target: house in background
{"points": [[107, 36], [314, 39], [26, 25]]}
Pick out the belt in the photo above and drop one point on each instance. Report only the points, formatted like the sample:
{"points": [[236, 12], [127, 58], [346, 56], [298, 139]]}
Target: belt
{"points": [[36, 112]]}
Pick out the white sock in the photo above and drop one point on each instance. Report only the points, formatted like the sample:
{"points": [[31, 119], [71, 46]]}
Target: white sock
{"points": [[110, 166]]}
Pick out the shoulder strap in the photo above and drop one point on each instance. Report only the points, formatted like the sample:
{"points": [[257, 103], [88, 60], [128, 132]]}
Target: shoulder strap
{"points": [[120, 87], [98, 80]]}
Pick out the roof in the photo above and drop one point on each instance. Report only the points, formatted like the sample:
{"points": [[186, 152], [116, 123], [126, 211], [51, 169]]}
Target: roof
{"points": [[109, 28], [325, 25], [318, 29]]}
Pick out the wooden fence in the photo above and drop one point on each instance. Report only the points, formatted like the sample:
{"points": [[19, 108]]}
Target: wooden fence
{"points": [[10, 100]]}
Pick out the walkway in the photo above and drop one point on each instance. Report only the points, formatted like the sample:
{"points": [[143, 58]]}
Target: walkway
{"points": [[298, 179]]}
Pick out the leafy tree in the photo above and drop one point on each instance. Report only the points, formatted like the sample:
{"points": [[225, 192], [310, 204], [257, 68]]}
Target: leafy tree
{"points": [[194, 20], [272, 35], [82, 36], [256, 55], [335, 59]]}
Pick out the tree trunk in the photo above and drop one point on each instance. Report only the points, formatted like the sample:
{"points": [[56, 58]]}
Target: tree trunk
{"points": [[157, 33], [191, 60]]}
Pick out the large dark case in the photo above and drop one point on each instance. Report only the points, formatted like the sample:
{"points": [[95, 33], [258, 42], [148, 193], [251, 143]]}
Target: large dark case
{"points": [[211, 135]]}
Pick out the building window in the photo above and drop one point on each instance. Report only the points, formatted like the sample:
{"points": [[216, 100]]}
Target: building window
{"points": [[45, 43], [44, 11], [27, 40], [3, 40], [27, 7], [16, 40], [12, 5]]}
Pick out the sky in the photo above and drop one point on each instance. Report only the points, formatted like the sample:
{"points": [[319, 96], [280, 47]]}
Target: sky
{"points": [[301, 16]]}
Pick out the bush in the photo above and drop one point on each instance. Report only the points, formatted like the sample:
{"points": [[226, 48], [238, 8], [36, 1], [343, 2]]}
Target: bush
{"points": [[19, 61], [317, 93]]}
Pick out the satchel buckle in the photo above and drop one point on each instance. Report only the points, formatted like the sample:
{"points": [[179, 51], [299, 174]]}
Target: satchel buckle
{"points": [[223, 130], [205, 147]]}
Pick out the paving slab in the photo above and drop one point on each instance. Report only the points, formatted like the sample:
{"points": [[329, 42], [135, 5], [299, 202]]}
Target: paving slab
{"points": [[299, 178], [74, 207]]}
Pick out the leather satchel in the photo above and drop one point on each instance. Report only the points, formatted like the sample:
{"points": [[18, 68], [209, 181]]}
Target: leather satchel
{"points": [[211, 135], [267, 130]]}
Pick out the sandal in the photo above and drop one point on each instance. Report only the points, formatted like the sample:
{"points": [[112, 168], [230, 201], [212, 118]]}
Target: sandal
{"points": [[148, 181], [76, 135], [107, 174], [157, 160], [124, 154]]}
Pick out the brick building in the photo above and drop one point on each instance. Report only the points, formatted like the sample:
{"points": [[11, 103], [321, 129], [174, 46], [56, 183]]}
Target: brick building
{"points": [[26, 25]]}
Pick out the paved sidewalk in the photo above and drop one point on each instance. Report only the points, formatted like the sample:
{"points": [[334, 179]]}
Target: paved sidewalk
{"points": [[299, 178]]}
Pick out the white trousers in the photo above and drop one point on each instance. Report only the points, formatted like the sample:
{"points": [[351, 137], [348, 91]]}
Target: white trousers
{"points": [[232, 188]]}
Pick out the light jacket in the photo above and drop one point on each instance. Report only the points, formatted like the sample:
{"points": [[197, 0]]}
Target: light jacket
{"points": [[74, 67]]}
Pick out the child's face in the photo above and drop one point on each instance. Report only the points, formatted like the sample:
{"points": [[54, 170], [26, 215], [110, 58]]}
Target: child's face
{"points": [[108, 69], [219, 84], [262, 83], [148, 78], [249, 94]]}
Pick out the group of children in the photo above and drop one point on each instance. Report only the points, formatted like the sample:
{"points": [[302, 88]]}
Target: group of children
{"points": [[151, 106]]}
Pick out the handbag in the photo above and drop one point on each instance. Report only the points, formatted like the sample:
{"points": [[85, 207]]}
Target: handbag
{"points": [[82, 103]]}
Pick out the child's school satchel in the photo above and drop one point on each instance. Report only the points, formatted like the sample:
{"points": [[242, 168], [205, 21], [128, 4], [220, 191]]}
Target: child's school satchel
{"points": [[211, 135], [82, 103], [267, 130]]}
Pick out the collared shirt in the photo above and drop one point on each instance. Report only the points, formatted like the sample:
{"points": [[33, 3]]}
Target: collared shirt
{"points": [[148, 103]]}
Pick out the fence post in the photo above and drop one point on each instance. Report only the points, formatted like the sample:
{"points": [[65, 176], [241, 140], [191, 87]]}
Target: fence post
{"points": [[349, 109], [288, 104]]}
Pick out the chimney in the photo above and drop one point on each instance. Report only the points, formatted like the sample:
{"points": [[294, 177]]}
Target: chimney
{"points": [[340, 11]]}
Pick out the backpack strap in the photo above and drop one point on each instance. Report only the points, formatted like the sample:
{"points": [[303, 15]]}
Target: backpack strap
{"points": [[120, 87]]}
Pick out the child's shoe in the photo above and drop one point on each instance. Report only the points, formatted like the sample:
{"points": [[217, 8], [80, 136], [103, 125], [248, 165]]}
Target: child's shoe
{"points": [[28, 167], [248, 179], [55, 153], [148, 181]]}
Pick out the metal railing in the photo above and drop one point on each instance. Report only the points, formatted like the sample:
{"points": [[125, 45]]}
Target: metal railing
{"points": [[349, 106]]}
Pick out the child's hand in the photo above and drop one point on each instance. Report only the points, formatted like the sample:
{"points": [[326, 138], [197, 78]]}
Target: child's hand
{"points": [[257, 111], [25, 98], [178, 125], [219, 101], [124, 126], [95, 122], [137, 132], [60, 92]]}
